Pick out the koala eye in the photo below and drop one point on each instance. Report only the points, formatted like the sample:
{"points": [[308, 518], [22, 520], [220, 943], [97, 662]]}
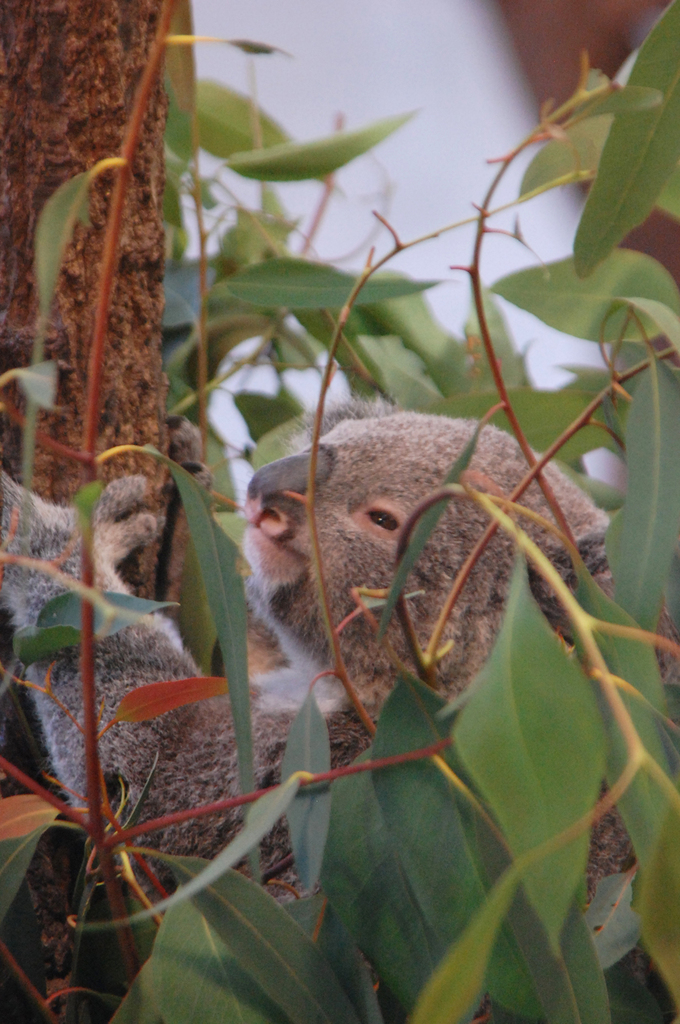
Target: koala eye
{"points": [[383, 519]]}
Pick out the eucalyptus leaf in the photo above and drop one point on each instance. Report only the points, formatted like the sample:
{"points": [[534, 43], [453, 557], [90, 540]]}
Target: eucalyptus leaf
{"points": [[531, 737], [651, 513], [16, 854], [56, 223], [301, 284], [308, 749], [300, 161], [659, 903], [543, 416], [614, 924], [557, 296], [269, 946], [211, 987], [225, 121], [640, 154]]}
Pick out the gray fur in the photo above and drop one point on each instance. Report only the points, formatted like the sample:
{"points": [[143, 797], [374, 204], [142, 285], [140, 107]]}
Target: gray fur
{"points": [[379, 454]]}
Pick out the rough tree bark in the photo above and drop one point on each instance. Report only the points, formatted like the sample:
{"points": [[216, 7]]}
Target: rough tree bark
{"points": [[68, 71]]}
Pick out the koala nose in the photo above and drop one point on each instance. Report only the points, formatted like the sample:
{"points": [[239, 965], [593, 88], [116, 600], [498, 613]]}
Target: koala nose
{"points": [[289, 474]]}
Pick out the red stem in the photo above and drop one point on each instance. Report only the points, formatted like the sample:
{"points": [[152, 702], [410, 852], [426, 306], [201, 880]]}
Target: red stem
{"points": [[249, 798]]}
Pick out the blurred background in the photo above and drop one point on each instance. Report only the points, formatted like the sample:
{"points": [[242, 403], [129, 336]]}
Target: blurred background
{"points": [[475, 72]]}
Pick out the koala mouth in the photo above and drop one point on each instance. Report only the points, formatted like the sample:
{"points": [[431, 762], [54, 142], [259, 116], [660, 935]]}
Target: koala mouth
{"points": [[270, 542]]}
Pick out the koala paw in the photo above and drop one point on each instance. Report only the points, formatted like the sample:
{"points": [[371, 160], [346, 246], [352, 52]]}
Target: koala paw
{"points": [[120, 499], [184, 441], [121, 525]]}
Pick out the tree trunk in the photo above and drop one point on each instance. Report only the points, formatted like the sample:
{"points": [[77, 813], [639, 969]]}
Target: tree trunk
{"points": [[68, 72]]}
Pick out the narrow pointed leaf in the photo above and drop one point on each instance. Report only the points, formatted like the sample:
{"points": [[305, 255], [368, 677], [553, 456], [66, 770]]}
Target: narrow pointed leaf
{"points": [[225, 124], [457, 983], [299, 161], [561, 299], [300, 284], [65, 610], [23, 814], [179, 60], [651, 513], [531, 737], [58, 218], [660, 903], [640, 153], [308, 749], [155, 699], [211, 988], [270, 947], [31, 643], [218, 559], [139, 1005], [16, 851]]}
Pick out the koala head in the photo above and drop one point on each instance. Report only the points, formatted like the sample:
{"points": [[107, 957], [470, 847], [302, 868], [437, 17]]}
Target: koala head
{"points": [[375, 465]]}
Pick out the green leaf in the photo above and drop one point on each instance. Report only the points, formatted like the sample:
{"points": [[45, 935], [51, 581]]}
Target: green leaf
{"points": [[588, 982], [400, 372], [530, 735], [577, 154], [364, 879], [177, 312], [218, 558], [211, 987], [225, 123], [31, 643], [629, 1000], [20, 931], [263, 413], [627, 100], [57, 220], [642, 806], [292, 161], [300, 284], [669, 200], [15, 856], [275, 444], [429, 822], [422, 532], [411, 319], [269, 946], [457, 983], [543, 416], [512, 362], [336, 944], [651, 513], [178, 128], [308, 749], [659, 903], [195, 621], [38, 382], [139, 1005], [663, 320], [614, 924], [672, 593], [558, 297], [65, 610], [640, 153]]}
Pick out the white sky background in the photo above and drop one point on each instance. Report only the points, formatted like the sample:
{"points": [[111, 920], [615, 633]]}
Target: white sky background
{"points": [[449, 60]]}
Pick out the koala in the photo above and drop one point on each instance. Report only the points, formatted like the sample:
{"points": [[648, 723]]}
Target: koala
{"points": [[375, 465]]}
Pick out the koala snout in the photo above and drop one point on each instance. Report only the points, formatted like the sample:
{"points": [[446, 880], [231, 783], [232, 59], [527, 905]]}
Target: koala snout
{"points": [[289, 474]]}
